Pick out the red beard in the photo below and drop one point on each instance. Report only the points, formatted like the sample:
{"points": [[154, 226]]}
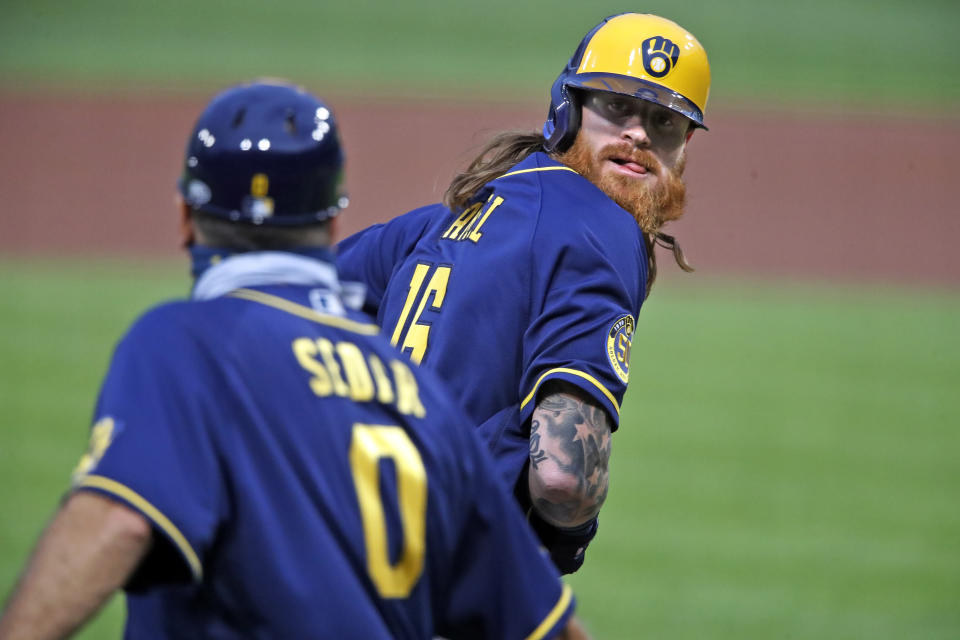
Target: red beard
{"points": [[651, 207]]}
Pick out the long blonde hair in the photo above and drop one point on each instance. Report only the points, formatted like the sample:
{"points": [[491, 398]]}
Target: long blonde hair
{"points": [[497, 156]]}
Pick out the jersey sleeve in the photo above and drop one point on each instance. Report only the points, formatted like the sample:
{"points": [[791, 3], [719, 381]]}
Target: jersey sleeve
{"points": [[149, 446], [587, 288], [371, 255], [502, 584]]}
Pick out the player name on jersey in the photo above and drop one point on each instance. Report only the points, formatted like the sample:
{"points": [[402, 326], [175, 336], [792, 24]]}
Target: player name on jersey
{"points": [[467, 225], [342, 369]]}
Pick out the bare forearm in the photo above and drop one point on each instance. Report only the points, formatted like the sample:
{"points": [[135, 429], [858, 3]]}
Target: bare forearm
{"points": [[569, 456], [87, 552], [574, 630]]}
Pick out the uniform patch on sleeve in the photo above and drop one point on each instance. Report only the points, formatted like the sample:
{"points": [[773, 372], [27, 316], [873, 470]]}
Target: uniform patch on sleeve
{"points": [[619, 339], [102, 436]]}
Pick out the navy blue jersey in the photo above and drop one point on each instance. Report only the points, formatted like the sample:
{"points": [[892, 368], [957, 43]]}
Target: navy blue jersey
{"points": [[308, 482], [540, 278]]}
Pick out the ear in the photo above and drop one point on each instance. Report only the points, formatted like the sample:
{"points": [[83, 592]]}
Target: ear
{"points": [[187, 237], [689, 134]]}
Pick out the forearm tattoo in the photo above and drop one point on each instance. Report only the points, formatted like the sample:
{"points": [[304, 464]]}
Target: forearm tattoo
{"points": [[572, 432], [537, 454]]}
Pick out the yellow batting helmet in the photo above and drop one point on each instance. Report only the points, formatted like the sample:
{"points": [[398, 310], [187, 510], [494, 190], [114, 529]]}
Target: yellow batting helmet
{"points": [[636, 54]]}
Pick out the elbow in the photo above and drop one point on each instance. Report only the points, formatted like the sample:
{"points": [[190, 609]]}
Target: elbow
{"points": [[129, 526], [556, 485], [565, 500], [118, 524]]}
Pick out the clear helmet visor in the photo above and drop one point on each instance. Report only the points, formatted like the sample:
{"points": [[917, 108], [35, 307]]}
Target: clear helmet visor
{"points": [[639, 88]]}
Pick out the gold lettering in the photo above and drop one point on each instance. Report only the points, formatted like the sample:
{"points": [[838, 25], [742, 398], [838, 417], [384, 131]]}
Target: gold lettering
{"points": [[358, 376], [623, 348], [466, 229], [372, 443], [419, 273], [408, 395], [462, 222], [304, 349], [418, 334], [475, 234], [384, 388], [341, 369], [326, 352]]}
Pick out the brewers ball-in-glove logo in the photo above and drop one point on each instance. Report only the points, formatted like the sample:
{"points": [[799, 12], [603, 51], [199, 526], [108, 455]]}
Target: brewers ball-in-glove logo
{"points": [[619, 339], [660, 55]]}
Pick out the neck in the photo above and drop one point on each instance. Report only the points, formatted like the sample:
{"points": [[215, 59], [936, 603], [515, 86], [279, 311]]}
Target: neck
{"points": [[203, 257]]}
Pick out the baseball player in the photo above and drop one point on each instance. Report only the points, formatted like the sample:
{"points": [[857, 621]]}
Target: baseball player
{"points": [[522, 289], [263, 463]]}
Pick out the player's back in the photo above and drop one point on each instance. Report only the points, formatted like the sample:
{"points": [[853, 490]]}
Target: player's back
{"points": [[316, 483], [527, 280]]}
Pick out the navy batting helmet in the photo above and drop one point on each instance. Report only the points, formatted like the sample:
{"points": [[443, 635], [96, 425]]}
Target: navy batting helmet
{"points": [[266, 154], [634, 54]]}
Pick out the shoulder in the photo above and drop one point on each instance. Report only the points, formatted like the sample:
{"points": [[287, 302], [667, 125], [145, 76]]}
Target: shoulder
{"points": [[575, 213], [564, 194], [415, 221], [539, 167], [410, 224], [160, 339], [536, 175], [164, 327], [369, 256], [540, 170], [161, 320]]}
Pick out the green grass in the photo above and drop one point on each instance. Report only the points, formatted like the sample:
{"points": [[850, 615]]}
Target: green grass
{"points": [[815, 52], [58, 324], [788, 464], [788, 467]]}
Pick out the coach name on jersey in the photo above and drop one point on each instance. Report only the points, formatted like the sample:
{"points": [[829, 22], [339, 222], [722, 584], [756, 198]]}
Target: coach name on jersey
{"points": [[340, 369], [619, 339]]}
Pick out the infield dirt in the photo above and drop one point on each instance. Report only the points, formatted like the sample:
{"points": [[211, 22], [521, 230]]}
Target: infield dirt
{"points": [[771, 194]]}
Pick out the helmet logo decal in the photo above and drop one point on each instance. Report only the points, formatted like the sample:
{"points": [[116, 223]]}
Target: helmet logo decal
{"points": [[261, 206], [660, 56], [259, 185], [619, 341]]}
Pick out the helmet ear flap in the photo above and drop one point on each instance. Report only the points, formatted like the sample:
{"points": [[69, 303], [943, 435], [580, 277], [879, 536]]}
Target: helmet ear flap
{"points": [[563, 117], [563, 122]]}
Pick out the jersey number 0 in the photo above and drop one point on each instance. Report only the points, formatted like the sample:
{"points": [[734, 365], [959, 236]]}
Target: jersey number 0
{"points": [[369, 445]]}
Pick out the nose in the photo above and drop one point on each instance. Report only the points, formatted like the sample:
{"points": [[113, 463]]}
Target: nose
{"points": [[635, 131]]}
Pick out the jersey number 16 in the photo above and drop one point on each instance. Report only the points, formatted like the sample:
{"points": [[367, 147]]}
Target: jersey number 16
{"points": [[415, 339]]}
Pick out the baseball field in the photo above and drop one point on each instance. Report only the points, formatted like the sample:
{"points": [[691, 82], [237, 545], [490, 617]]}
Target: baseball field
{"points": [[788, 464]]}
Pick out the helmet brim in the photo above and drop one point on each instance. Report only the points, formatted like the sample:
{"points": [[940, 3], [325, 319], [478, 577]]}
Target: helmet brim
{"points": [[638, 88]]}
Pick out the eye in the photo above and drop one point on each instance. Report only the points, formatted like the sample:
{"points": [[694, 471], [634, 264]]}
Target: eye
{"points": [[612, 106], [617, 106], [664, 120]]}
